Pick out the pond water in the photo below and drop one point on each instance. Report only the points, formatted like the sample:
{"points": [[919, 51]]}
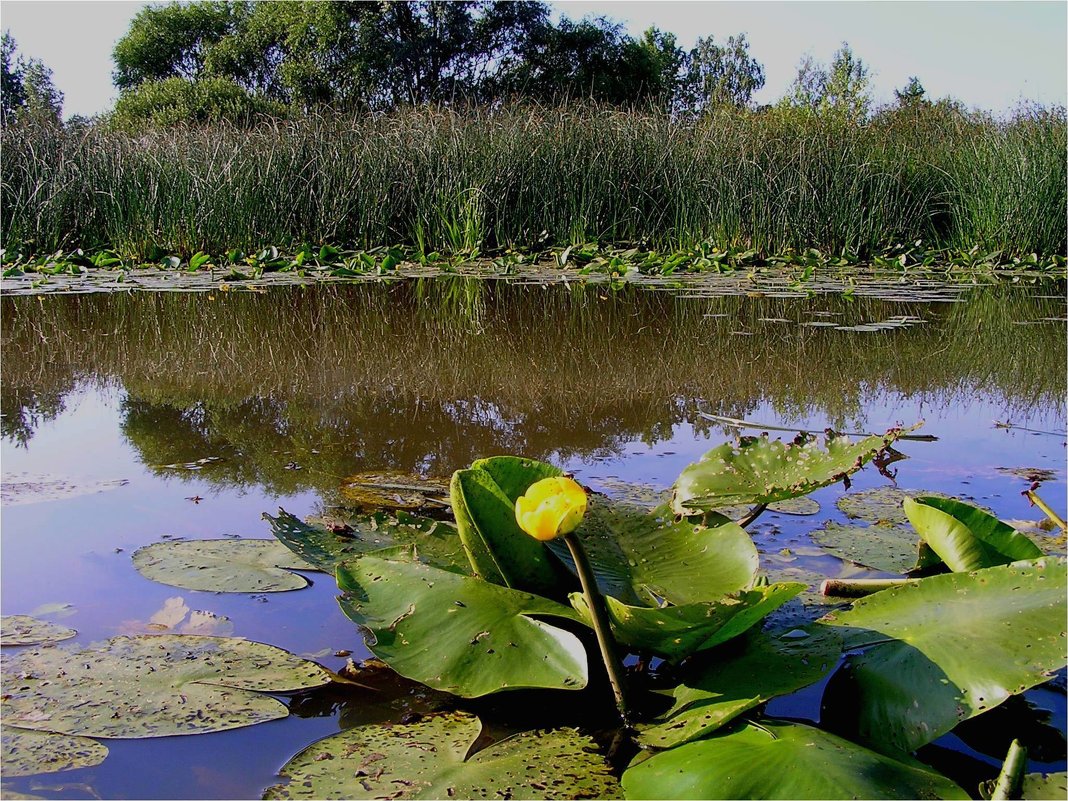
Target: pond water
{"points": [[134, 418]]}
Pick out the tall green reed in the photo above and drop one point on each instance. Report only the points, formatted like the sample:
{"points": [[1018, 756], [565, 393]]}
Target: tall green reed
{"points": [[527, 176]]}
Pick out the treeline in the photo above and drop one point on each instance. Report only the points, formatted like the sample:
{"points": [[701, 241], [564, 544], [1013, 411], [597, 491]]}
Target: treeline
{"points": [[528, 177]]}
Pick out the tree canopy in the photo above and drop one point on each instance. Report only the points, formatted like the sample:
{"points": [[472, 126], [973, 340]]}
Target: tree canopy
{"points": [[26, 87]]}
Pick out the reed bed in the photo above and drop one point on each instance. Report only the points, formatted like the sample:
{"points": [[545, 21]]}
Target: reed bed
{"points": [[528, 177]]}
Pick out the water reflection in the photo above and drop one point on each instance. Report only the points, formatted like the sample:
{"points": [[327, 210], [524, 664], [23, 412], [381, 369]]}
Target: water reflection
{"points": [[300, 387]]}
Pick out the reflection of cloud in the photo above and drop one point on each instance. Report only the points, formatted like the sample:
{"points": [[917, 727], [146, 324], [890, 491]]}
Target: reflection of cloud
{"points": [[175, 617]]}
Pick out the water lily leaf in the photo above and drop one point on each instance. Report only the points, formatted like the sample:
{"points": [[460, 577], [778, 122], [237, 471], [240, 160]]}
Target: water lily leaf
{"points": [[1051, 786], [967, 538], [26, 630], [960, 643], [719, 686], [26, 752], [429, 759], [222, 565], [782, 760], [676, 632], [500, 552], [882, 505], [763, 470], [327, 545], [391, 490], [645, 558], [892, 549], [152, 686], [457, 633], [802, 507]]}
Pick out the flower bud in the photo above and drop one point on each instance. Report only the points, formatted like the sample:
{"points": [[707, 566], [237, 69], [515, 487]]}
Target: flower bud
{"points": [[551, 507]]}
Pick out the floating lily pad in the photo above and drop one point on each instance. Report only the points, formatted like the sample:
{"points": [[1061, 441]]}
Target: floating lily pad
{"points": [[776, 759], [26, 630], [960, 643], [458, 633], [23, 488], [152, 686], [386, 490], [327, 545], [879, 505], [27, 752], [892, 549], [429, 759], [222, 565], [676, 632], [1029, 474], [1044, 787], [717, 687], [762, 470], [790, 506]]}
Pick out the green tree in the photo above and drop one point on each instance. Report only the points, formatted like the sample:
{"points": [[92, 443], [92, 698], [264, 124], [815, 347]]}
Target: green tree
{"points": [[172, 101], [843, 89], [912, 94], [718, 75], [27, 88]]}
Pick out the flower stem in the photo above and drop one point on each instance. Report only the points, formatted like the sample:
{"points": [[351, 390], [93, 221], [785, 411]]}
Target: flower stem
{"points": [[599, 615], [1041, 504]]}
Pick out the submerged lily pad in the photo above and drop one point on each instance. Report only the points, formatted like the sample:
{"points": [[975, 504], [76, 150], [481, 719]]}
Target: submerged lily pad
{"points": [[326, 546], [892, 549], [719, 686], [762, 470], [777, 759], [27, 752], [23, 488], [222, 565], [458, 633], [152, 686], [879, 505], [175, 617], [385, 490], [429, 759], [26, 630], [960, 643]]}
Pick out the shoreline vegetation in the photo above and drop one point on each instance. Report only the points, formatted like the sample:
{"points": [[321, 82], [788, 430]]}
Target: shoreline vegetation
{"points": [[584, 185]]}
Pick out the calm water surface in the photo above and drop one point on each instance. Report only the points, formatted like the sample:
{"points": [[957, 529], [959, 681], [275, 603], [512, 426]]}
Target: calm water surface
{"points": [[296, 389]]}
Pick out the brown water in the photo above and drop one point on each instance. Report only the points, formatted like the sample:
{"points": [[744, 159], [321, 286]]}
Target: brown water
{"points": [[299, 387]]}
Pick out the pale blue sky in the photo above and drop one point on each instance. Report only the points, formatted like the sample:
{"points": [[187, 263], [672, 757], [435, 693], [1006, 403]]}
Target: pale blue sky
{"points": [[987, 54]]}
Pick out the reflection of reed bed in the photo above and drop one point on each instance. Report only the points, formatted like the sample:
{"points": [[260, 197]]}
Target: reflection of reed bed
{"points": [[501, 177]]}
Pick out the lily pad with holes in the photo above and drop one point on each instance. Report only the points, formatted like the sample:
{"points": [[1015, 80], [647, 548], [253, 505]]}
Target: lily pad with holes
{"points": [[676, 632], [26, 630], [719, 686], [762, 470], [460, 634], [965, 537], [959, 644], [26, 752], [222, 565], [777, 759], [645, 558], [431, 759], [892, 549], [327, 545], [152, 686]]}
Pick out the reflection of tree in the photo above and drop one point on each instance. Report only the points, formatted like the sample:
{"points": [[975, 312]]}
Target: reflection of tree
{"points": [[425, 376]]}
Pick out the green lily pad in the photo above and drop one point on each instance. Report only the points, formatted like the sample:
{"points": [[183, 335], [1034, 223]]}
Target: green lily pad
{"points": [[26, 630], [222, 565], [429, 759], [719, 686], [326, 546], [802, 507], [152, 686], [762, 470], [964, 537], [776, 759], [881, 505], [1049, 786], [644, 558], [676, 632], [27, 752], [960, 643], [460, 634], [892, 549], [483, 502]]}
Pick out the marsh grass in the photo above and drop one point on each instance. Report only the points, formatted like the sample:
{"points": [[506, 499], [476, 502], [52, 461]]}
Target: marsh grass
{"points": [[527, 177]]}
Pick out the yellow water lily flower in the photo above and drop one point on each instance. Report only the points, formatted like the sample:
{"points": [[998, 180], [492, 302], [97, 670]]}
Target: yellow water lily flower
{"points": [[551, 507]]}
